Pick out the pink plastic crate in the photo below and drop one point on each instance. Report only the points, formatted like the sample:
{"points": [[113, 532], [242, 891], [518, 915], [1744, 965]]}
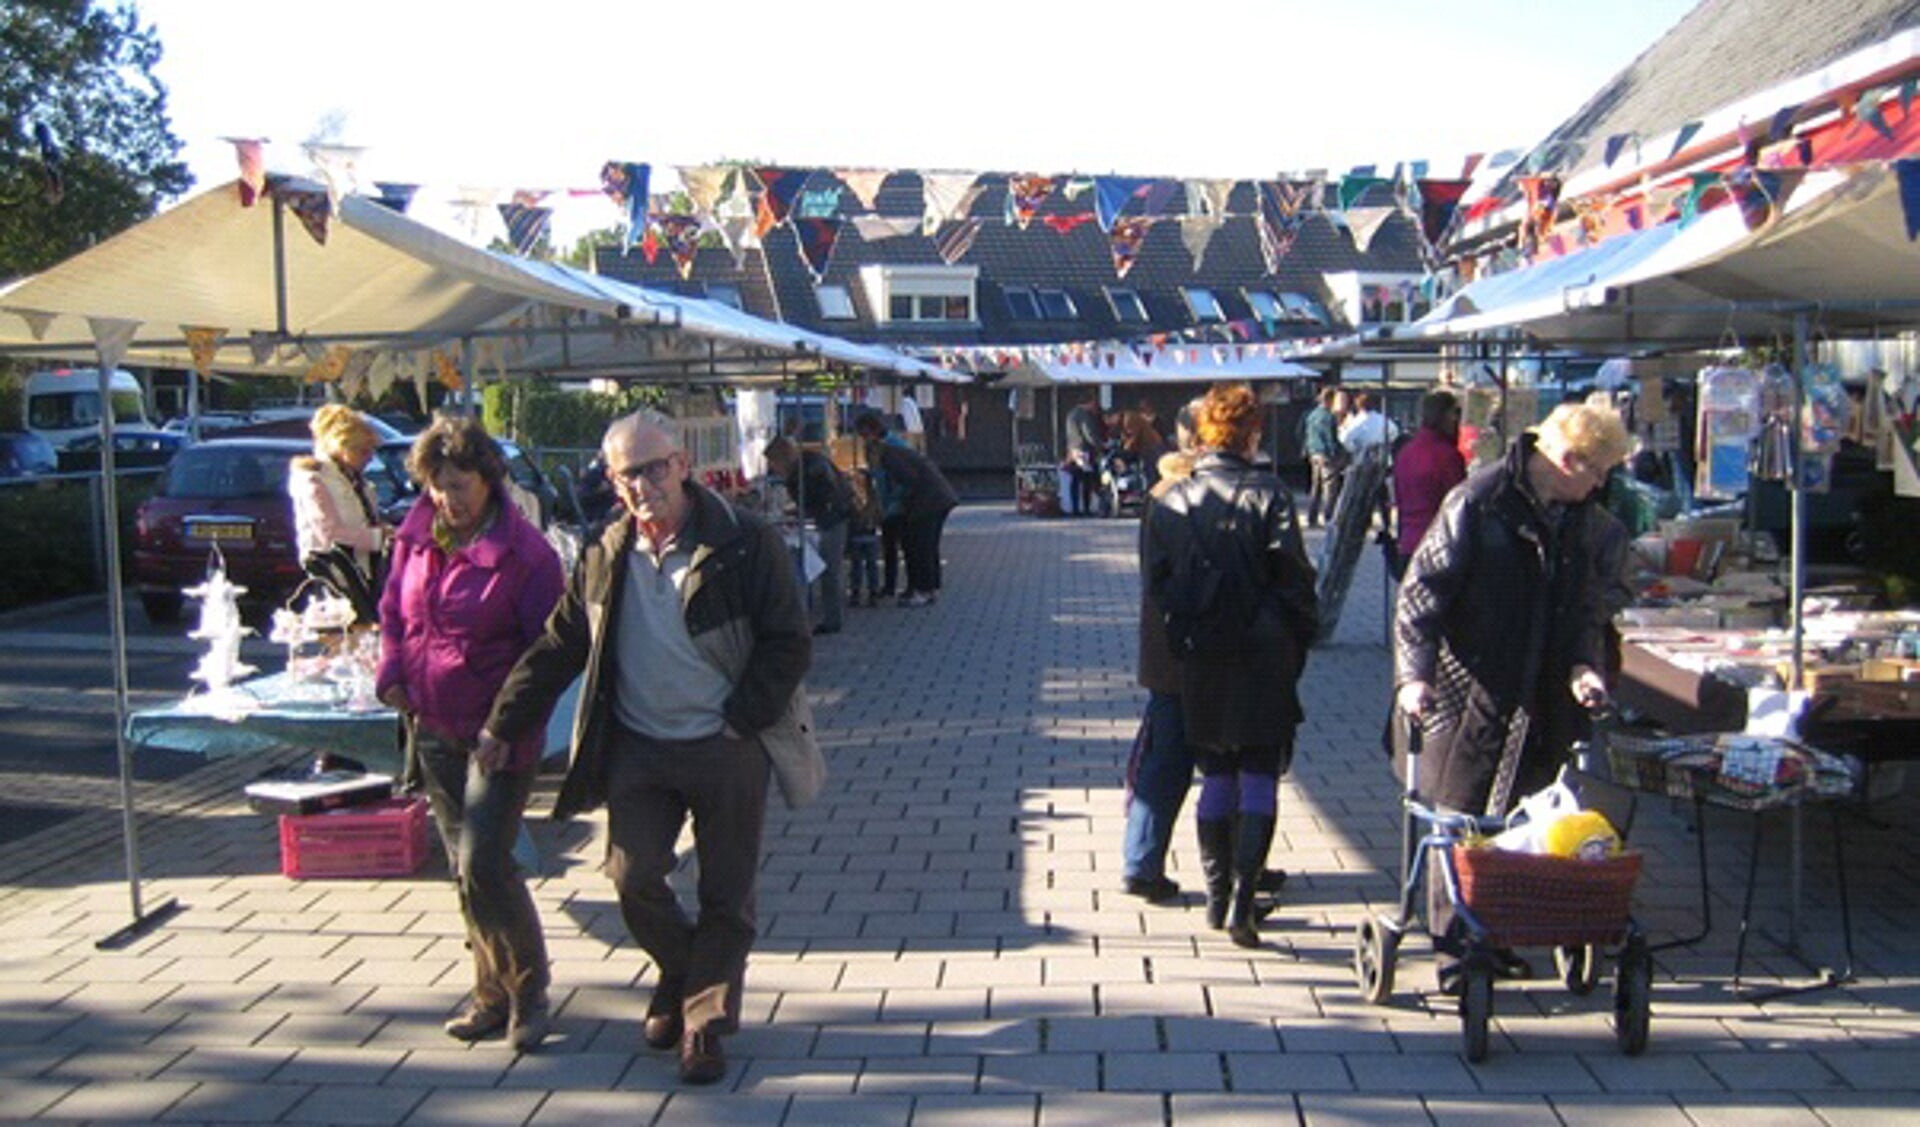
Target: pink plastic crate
{"points": [[385, 839]]}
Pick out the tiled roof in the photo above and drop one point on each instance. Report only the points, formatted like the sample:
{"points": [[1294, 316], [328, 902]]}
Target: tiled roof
{"points": [[776, 282]]}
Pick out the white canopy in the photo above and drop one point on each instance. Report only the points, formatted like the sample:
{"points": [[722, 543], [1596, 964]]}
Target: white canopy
{"points": [[1838, 251], [1171, 364], [385, 282]]}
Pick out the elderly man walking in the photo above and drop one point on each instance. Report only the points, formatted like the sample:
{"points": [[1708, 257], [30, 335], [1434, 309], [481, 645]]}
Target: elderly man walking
{"points": [[688, 622]]}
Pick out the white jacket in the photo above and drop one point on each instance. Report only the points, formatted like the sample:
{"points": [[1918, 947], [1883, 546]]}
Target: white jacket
{"points": [[326, 512]]}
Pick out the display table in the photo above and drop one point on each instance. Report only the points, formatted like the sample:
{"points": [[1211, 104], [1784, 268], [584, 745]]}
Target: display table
{"points": [[281, 712]]}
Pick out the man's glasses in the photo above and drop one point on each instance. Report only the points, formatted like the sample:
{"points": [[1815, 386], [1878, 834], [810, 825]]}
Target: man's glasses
{"points": [[656, 471]]}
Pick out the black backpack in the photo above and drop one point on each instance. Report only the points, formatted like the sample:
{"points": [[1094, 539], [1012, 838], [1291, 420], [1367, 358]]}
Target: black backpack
{"points": [[1210, 602]]}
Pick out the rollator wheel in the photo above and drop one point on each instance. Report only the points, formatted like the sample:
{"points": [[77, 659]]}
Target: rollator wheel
{"points": [[1374, 949], [1579, 967], [1633, 997], [1476, 1006]]}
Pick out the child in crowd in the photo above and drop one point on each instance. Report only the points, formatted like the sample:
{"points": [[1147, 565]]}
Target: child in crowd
{"points": [[863, 542]]}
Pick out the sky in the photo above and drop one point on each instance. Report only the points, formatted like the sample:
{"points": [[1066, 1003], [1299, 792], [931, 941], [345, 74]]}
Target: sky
{"points": [[483, 94]]}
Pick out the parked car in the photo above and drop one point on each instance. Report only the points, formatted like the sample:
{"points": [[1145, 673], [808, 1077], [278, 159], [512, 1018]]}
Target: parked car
{"points": [[210, 421], [397, 491], [230, 495], [298, 423], [130, 450], [24, 454]]}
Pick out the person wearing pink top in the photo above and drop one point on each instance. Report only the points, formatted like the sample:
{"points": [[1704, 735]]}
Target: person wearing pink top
{"points": [[1427, 467], [472, 584], [335, 519]]}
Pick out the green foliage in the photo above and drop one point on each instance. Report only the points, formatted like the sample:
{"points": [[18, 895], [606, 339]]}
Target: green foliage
{"points": [[543, 416], [86, 75], [46, 538], [580, 255], [12, 406]]}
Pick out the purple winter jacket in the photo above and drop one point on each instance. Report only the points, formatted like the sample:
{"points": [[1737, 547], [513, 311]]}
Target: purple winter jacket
{"points": [[452, 626]]}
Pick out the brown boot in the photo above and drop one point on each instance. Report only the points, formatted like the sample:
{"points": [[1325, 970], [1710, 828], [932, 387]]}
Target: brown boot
{"points": [[702, 1061]]}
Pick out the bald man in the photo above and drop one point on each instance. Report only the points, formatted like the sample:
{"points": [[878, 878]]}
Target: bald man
{"points": [[688, 623]]}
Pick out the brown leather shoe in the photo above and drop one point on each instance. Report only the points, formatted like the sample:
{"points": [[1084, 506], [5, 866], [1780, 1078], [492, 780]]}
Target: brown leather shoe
{"points": [[662, 1031], [701, 1058], [479, 1021]]}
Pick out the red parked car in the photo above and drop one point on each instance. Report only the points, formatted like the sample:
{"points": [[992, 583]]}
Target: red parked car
{"points": [[229, 496]]}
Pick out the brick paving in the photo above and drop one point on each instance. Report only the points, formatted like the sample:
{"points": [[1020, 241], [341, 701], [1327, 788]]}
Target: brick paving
{"points": [[942, 935]]}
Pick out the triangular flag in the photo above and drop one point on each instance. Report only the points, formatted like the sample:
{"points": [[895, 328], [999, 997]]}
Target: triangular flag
{"points": [[1867, 109], [261, 346], [202, 344], [1470, 165], [337, 167], [681, 236], [1909, 173], [310, 205], [874, 228], [1439, 203], [1064, 224], [1125, 240], [251, 153], [1681, 138], [1615, 144], [864, 183], [1025, 196], [1352, 188], [817, 235], [705, 184], [394, 197], [1110, 196], [946, 195], [957, 239], [1196, 231], [112, 336], [1365, 223], [1208, 197], [1156, 195], [779, 187], [1782, 124], [1699, 184], [38, 321], [818, 204], [526, 226]]}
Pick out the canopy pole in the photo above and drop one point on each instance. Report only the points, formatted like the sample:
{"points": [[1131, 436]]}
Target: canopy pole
{"points": [[116, 614], [279, 265], [1796, 492]]}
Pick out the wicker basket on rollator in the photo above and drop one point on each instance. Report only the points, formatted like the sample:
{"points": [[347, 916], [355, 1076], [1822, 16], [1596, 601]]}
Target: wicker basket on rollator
{"points": [[1533, 900]]}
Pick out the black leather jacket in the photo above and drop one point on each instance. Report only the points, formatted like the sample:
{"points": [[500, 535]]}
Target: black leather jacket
{"points": [[1249, 699]]}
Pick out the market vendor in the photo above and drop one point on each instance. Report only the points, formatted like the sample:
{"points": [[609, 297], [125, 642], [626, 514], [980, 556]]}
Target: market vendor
{"points": [[1499, 630]]}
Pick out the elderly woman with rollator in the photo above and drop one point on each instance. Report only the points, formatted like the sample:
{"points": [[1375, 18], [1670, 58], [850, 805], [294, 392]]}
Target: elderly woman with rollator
{"points": [[1223, 561], [1500, 629], [472, 584]]}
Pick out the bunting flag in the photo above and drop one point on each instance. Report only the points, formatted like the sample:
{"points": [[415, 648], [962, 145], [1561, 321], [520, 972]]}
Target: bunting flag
{"points": [[681, 236], [1439, 204], [38, 321], [1617, 144], [874, 228], [820, 204], [1353, 187], [382, 373], [337, 166], [1762, 194], [817, 234], [1787, 154], [112, 336], [707, 184], [1867, 108], [1076, 186], [1782, 125], [864, 183], [1681, 138], [947, 195], [446, 371], [1196, 232], [1208, 198], [526, 226], [261, 346], [650, 244], [1909, 172], [1110, 196], [251, 153], [353, 374], [626, 183], [1543, 201], [1471, 165], [779, 187], [1700, 184], [1025, 195], [309, 205], [1126, 238], [1275, 240], [1365, 222], [394, 197], [202, 344], [1155, 197], [957, 240], [738, 223], [328, 368], [1064, 224]]}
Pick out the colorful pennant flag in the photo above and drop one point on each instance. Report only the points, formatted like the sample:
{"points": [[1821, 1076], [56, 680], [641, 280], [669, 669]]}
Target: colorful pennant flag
{"points": [[251, 153], [394, 197], [526, 225], [1064, 224], [874, 228], [817, 235], [202, 344], [681, 236], [625, 183], [779, 187], [1110, 196], [1025, 196], [818, 204], [957, 240], [309, 205], [946, 195], [864, 183], [1681, 138], [1129, 233]]}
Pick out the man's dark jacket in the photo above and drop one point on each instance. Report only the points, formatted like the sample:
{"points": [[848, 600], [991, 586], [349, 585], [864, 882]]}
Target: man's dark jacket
{"points": [[744, 612]]}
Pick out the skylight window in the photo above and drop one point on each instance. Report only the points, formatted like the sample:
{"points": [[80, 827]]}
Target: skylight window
{"points": [[1202, 304], [836, 304], [1127, 306]]}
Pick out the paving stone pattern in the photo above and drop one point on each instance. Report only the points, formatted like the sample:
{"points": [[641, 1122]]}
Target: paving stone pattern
{"points": [[943, 936]]}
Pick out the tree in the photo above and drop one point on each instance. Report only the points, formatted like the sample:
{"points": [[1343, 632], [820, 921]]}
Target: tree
{"points": [[86, 148]]}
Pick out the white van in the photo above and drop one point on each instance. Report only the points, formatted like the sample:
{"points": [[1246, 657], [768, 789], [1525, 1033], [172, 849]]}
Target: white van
{"points": [[64, 404]]}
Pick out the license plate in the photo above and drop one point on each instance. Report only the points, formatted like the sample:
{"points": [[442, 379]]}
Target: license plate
{"points": [[222, 531]]}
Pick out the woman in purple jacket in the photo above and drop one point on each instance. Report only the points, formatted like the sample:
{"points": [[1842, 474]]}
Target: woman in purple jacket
{"points": [[470, 587]]}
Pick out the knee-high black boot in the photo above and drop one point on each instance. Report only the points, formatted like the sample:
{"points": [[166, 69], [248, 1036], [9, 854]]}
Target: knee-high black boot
{"points": [[1252, 837], [1216, 863]]}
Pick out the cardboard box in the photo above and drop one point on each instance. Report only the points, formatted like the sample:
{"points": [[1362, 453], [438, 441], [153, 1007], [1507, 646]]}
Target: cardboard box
{"points": [[1897, 669]]}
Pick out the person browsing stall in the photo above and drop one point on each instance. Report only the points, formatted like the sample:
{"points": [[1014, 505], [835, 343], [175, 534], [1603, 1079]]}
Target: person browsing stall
{"points": [[336, 520], [472, 584], [824, 497], [688, 623]]}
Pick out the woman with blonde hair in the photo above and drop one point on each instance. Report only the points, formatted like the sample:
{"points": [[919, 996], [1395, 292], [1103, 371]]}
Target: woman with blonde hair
{"points": [[1500, 627], [335, 514], [1223, 561]]}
